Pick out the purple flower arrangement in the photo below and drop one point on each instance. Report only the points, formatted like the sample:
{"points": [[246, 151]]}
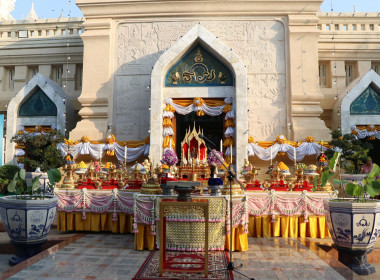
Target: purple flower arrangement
{"points": [[212, 159], [169, 157]]}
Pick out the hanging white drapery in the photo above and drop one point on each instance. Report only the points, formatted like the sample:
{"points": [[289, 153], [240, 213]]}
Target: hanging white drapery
{"points": [[305, 149], [97, 150], [361, 134], [184, 110]]}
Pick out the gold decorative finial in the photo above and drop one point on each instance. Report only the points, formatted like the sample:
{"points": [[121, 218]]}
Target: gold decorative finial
{"points": [[198, 57]]}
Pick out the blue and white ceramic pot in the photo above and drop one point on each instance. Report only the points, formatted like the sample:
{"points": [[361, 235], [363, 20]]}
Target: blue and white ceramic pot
{"points": [[353, 225], [27, 221]]}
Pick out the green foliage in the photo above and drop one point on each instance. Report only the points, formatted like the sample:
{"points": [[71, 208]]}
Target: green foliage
{"points": [[41, 150], [19, 186], [327, 173], [369, 185], [7, 172], [354, 151]]}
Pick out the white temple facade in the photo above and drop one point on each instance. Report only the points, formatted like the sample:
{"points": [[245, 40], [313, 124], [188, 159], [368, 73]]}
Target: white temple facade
{"points": [[290, 65]]}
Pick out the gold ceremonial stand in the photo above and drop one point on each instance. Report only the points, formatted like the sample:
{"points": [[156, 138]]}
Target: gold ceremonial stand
{"points": [[169, 207]]}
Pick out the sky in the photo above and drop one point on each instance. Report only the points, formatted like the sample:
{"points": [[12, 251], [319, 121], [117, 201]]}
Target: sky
{"points": [[54, 8]]}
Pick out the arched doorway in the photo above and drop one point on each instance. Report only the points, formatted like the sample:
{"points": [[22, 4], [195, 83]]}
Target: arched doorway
{"points": [[237, 91], [41, 102], [211, 126]]}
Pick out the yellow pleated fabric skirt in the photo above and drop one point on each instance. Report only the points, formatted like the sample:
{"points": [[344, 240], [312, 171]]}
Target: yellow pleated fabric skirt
{"points": [[94, 222], [285, 226]]}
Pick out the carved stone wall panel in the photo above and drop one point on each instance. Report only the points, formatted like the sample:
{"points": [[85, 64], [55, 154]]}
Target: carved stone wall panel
{"points": [[260, 45], [127, 125], [267, 92]]}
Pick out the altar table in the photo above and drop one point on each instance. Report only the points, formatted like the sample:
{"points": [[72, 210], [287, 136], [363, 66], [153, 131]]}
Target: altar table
{"points": [[258, 214]]}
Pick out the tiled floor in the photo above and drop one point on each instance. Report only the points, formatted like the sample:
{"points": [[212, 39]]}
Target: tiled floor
{"points": [[111, 256]]}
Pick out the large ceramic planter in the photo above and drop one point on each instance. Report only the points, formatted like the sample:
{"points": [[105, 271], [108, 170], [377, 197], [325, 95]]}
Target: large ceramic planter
{"points": [[354, 227], [27, 222]]}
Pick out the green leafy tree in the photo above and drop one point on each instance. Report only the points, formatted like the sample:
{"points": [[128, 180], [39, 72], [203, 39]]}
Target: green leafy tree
{"points": [[41, 150], [354, 151]]}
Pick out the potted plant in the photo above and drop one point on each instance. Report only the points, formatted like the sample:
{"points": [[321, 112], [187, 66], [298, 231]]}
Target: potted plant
{"points": [[354, 223], [40, 150], [354, 153], [7, 172], [28, 214]]}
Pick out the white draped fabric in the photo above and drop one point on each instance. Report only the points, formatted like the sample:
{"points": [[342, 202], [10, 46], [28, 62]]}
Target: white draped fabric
{"points": [[97, 150], [305, 149], [211, 111], [365, 133], [19, 152]]}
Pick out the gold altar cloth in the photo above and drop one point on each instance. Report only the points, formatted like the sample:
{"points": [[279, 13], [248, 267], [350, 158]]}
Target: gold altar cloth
{"points": [[72, 221], [285, 226]]}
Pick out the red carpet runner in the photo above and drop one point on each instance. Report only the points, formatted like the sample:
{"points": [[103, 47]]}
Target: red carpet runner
{"points": [[217, 260]]}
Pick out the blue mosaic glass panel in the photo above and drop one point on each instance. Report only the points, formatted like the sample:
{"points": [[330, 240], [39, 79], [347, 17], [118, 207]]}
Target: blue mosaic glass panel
{"points": [[37, 105], [368, 103], [199, 68]]}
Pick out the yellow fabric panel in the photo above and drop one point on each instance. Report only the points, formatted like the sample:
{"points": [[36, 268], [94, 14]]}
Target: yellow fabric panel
{"points": [[239, 240], [79, 224], [251, 226], [258, 226], [266, 224], [115, 225], [87, 222], [302, 227], [143, 238], [227, 243], [61, 223], [70, 221], [104, 221], [285, 226], [321, 226], [293, 226], [95, 222], [276, 227], [312, 227]]}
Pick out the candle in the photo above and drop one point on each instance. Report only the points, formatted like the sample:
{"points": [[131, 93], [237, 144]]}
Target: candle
{"points": [[270, 155], [125, 154], [295, 156], [221, 145], [170, 144], [100, 155]]}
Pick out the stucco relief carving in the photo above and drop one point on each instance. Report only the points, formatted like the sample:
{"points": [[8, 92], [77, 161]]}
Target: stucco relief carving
{"points": [[267, 92], [259, 44]]}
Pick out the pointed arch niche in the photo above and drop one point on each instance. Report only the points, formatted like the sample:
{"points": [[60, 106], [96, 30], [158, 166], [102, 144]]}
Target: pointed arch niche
{"points": [[361, 105], [40, 102], [237, 89]]}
